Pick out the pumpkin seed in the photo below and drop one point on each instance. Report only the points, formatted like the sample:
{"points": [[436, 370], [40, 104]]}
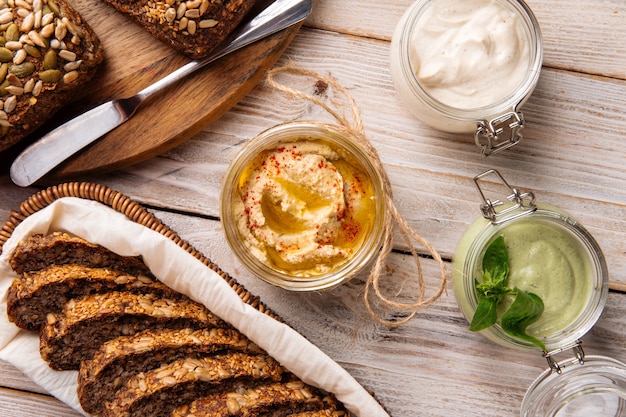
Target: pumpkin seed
{"points": [[3, 85], [32, 51], [12, 33], [50, 76], [5, 54], [22, 70], [54, 8], [50, 60], [4, 70]]}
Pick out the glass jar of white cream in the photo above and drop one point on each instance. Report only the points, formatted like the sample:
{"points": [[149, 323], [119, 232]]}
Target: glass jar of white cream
{"points": [[551, 255], [468, 66]]}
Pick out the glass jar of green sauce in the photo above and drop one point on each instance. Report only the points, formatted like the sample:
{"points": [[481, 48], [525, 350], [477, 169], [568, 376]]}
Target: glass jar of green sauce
{"points": [[552, 256]]}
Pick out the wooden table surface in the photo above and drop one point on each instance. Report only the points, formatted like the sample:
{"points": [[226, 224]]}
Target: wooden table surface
{"points": [[572, 156]]}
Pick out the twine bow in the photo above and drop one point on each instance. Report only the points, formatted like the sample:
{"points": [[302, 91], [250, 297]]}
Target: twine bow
{"points": [[355, 132]]}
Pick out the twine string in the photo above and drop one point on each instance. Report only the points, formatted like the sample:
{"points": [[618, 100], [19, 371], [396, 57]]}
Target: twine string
{"points": [[353, 129]]}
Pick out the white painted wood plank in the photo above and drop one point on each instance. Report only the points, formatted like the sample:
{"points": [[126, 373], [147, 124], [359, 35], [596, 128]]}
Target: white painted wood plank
{"points": [[11, 377], [22, 404]]}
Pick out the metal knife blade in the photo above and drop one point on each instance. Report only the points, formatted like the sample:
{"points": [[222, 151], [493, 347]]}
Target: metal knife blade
{"points": [[41, 157]]}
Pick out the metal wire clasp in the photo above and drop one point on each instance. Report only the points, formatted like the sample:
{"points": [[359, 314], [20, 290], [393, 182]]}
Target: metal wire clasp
{"points": [[518, 209], [579, 356], [490, 134]]}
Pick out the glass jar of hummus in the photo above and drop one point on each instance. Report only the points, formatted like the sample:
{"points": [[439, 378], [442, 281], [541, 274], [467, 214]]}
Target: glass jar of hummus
{"points": [[302, 207], [468, 66]]}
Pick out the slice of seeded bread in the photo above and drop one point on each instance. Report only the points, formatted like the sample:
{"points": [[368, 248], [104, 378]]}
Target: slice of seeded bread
{"points": [[40, 251], [158, 392], [48, 52], [193, 27], [75, 334], [328, 412], [271, 399], [31, 297], [120, 359]]}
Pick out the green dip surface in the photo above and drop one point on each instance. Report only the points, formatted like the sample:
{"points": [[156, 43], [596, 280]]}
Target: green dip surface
{"points": [[549, 261]]}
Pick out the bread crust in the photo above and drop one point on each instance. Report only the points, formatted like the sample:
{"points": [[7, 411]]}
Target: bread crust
{"points": [[171, 21]]}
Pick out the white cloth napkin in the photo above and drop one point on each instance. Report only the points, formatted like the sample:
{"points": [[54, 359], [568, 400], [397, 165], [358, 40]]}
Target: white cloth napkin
{"points": [[178, 269]]}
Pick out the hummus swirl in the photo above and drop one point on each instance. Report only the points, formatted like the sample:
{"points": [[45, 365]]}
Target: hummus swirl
{"points": [[304, 207]]}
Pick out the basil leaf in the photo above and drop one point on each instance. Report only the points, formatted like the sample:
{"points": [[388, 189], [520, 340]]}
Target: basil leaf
{"points": [[525, 309], [485, 314], [496, 263]]}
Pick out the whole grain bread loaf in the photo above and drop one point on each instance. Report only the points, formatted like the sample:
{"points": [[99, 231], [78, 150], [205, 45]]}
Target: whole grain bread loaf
{"points": [[270, 399], [158, 392], [141, 348], [328, 412], [47, 55], [35, 294], [76, 334], [193, 27], [40, 251], [120, 359]]}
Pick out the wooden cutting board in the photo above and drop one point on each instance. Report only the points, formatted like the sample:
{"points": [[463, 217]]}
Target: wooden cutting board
{"points": [[134, 60]]}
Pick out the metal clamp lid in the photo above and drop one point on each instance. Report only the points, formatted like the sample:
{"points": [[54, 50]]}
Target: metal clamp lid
{"points": [[490, 134], [579, 356], [518, 209]]}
